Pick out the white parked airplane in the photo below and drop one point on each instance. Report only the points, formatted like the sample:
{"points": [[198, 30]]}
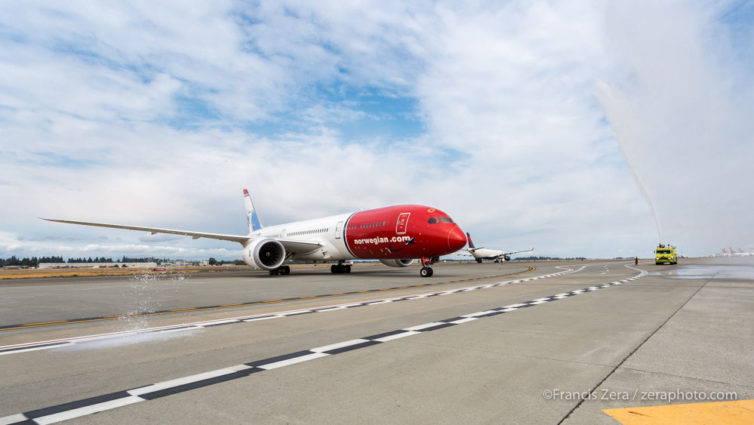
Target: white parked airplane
{"points": [[394, 235], [490, 254]]}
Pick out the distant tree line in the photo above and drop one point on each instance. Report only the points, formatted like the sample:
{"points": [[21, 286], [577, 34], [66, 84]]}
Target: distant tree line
{"points": [[214, 262], [542, 257], [34, 261], [85, 260]]}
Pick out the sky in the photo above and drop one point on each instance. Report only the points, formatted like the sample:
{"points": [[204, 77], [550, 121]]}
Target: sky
{"points": [[579, 128]]}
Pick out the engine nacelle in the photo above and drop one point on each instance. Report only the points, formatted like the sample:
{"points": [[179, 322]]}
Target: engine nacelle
{"points": [[264, 254], [507, 257], [397, 263]]}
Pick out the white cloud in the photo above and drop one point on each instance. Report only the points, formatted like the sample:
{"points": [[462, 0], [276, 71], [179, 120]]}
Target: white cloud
{"points": [[516, 147]]}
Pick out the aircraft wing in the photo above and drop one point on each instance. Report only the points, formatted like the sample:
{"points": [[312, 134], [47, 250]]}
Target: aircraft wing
{"points": [[516, 252], [195, 235]]}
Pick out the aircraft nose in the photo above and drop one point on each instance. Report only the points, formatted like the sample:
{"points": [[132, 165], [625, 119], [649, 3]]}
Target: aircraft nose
{"points": [[456, 238]]}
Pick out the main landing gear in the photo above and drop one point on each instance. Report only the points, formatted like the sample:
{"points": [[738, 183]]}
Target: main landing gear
{"points": [[282, 270], [426, 271], [340, 268]]}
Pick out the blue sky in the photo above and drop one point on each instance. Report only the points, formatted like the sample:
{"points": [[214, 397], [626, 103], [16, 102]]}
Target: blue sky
{"points": [[530, 123]]}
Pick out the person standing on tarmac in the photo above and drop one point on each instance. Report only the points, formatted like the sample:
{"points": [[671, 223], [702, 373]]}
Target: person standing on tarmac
{"points": [[636, 261]]}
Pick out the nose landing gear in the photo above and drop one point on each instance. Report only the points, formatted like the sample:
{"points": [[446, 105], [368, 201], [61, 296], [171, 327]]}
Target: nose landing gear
{"points": [[426, 271]]}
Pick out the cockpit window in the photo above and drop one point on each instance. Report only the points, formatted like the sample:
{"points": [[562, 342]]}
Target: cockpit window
{"points": [[433, 220]]}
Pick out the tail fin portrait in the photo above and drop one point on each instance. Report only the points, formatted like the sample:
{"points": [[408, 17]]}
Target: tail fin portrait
{"points": [[251, 213], [468, 237]]}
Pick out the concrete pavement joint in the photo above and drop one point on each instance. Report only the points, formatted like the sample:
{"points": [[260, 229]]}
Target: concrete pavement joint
{"points": [[581, 401]]}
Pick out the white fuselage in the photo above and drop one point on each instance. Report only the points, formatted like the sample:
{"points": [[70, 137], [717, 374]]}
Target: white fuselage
{"points": [[483, 253], [327, 231]]}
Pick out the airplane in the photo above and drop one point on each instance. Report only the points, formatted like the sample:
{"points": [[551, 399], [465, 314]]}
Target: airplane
{"points": [[394, 235], [480, 254], [732, 253]]}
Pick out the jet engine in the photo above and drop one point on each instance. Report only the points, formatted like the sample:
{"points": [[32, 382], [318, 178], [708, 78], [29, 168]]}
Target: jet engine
{"points": [[507, 257], [264, 254], [397, 263]]}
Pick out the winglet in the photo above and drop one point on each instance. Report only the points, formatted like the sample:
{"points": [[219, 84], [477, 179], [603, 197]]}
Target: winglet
{"points": [[468, 237], [251, 213]]}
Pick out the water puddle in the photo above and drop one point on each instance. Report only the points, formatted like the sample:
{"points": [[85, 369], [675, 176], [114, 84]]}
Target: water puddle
{"points": [[713, 271]]}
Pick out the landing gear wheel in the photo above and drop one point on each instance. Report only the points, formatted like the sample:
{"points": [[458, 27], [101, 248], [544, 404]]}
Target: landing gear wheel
{"points": [[282, 271], [479, 260], [426, 272], [340, 268]]}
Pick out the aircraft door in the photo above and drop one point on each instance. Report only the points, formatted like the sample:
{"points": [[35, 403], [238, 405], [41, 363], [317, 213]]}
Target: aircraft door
{"points": [[338, 230], [402, 224]]}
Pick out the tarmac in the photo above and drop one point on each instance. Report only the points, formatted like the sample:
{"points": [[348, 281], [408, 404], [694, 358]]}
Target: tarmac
{"points": [[588, 342]]}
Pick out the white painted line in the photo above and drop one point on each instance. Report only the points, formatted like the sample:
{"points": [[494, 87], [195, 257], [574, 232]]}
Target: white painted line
{"points": [[338, 345], [296, 313], [18, 417], [423, 326], [299, 359], [187, 380], [514, 305], [219, 322], [340, 307], [379, 302], [464, 320], [479, 313], [26, 350], [190, 328], [397, 336], [275, 316], [537, 302], [88, 410], [542, 299]]}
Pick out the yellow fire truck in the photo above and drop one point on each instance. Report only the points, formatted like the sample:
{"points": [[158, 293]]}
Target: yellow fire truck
{"points": [[666, 254]]}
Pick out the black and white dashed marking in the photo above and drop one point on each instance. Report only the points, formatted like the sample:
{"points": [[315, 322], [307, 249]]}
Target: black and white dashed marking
{"points": [[75, 409], [57, 343]]}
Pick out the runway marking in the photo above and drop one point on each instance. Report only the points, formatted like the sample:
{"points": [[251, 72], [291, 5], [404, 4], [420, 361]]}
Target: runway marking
{"points": [[41, 345], [121, 398], [246, 304], [723, 412]]}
